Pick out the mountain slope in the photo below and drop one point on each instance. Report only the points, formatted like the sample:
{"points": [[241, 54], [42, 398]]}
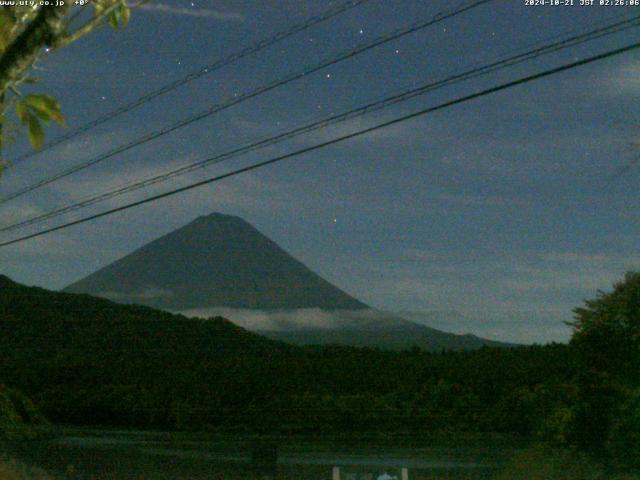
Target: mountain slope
{"points": [[217, 260], [82, 321], [398, 337], [87, 359], [220, 265], [361, 328]]}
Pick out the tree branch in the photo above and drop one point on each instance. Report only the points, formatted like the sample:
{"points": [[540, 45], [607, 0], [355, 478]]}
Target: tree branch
{"points": [[91, 25], [24, 50]]}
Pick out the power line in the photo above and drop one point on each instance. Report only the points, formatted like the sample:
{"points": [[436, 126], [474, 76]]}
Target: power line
{"points": [[325, 122], [246, 96], [255, 48], [255, 166]]}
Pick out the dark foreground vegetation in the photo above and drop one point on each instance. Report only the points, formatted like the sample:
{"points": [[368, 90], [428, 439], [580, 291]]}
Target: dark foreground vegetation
{"points": [[88, 361]]}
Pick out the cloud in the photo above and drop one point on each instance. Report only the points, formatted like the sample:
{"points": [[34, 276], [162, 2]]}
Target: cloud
{"points": [[66, 156], [575, 257], [16, 213], [623, 80], [244, 192], [554, 272], [297, 319], [52, 261], [56, 245], [402, 132], [505, 329], [511, 329], [193, 12], [511, 296]]}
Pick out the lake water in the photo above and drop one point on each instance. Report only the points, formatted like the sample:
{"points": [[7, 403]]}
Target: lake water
{"points": [[118, 455]]}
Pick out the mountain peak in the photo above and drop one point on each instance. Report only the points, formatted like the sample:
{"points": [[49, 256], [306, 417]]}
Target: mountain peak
{"points": [[216, 217], [217, 260], [221, 263], [216, 222]]}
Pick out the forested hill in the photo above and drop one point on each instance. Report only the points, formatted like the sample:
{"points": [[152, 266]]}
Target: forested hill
{"points": [[34, 304], [87, 360], [79, 356], [66, 318]]}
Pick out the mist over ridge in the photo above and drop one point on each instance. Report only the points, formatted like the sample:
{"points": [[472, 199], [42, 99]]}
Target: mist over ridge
{"points": [[220, 265]]}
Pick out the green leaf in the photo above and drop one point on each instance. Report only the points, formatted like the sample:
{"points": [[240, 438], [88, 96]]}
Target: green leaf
{"points": [[23, 111], [119, 17], [36, 133], [126, 14], [114, 18], [34, 109], [99, 7], [7, 23], [41, 115], [45, 107]]}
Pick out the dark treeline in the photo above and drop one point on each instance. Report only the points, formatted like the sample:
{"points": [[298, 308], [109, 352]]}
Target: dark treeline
{"points": [[85, 360], [199, 374]]}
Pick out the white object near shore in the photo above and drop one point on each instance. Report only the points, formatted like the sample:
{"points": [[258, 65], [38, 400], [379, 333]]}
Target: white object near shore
{"points": [[404, 474]]}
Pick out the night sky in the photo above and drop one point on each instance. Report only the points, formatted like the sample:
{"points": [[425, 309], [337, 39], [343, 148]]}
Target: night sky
{"points": [[496, 217]]}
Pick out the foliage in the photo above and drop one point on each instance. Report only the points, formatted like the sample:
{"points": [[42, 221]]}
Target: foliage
{"points": [[19, 418], [33, 110], [25, 32], [541, 462], [86, 360], [607, 332], [606, 420], [11, 469], [623, 442]]}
